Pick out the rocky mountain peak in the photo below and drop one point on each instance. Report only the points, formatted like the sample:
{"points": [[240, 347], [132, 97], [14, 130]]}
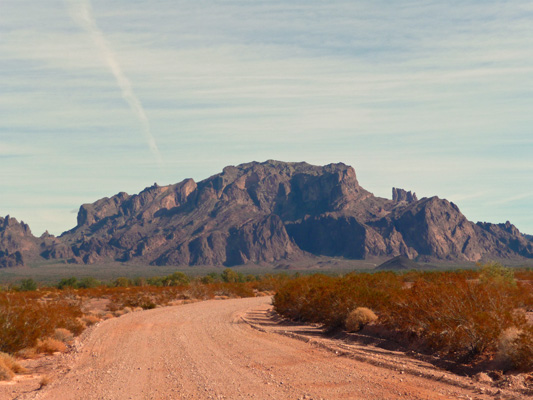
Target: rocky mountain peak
{"points": [[16, 242], [264, 212], [399, 195]]}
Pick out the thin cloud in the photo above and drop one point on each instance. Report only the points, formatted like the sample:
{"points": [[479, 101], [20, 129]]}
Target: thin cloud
{"points": [[511, 199], [81, 13]]}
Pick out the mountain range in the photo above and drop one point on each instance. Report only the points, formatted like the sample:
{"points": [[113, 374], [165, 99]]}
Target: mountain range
{"points": [[264, 213]]}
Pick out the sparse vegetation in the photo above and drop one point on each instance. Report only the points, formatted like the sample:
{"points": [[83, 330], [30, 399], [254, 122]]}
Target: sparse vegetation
{"points": [[5, 372], [515, 348], [358, 318], [50, 346], [461, 314], [26, 317], [63, 335], [37, 319], [27, 285], [9, 367]]}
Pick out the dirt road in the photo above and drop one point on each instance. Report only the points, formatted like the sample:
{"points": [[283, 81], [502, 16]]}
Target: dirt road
{"points": [[206, 351]]}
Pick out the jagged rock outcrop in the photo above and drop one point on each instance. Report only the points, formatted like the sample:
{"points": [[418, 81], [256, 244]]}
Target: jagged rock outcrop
{"points": [[401, 195], [16, 242], [510, 237], [271, 211]]}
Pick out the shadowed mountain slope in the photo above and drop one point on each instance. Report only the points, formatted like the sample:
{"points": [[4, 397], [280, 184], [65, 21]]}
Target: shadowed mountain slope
{"points": [[271, 211]]}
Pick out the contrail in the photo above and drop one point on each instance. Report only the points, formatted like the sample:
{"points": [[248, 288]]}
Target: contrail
{"points": [[81, 13]]}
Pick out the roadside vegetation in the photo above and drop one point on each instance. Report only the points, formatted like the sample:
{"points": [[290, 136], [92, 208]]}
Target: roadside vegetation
{"points": [[38, 320], [463, 315]]}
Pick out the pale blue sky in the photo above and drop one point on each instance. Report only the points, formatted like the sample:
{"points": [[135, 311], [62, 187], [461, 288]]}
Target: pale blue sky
{"points": [[106, 96]]}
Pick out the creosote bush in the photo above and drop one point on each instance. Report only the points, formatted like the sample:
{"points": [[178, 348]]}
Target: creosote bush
{"points": [[35, 319], [25, 318], [455, 315], [461, 314]]}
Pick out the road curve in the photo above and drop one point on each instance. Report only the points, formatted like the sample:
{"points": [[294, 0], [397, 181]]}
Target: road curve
{"points": [[204, 350]]}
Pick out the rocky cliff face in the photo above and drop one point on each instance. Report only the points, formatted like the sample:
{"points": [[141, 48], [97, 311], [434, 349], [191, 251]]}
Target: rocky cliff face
{"points": [[17, 244], [510, 237], [271, 211], [402, 195]]}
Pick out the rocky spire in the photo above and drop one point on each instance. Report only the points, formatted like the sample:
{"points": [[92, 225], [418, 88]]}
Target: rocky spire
{"points": [[402, 195]]}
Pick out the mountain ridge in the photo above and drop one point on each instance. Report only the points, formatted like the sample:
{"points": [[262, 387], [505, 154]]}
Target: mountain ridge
{"points": [[265, 212]]}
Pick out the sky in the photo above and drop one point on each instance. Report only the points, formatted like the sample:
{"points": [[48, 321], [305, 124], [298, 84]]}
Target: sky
{"points": [[99, 97]]}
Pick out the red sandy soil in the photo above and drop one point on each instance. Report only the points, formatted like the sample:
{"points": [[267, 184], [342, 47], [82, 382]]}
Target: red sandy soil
{"points": [[233, 349]]}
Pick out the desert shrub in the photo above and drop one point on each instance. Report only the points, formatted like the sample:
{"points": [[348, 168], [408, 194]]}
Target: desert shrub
{"points": [[153, 281], [6, 374], [233, 290], [50, 346], [229, 275], [140, 281], [358, 318], [271, 283], [524, 274], [137, 300], [11, 363], [147, 297], [122, 282], [63, 335], [207, 279], [67, 283], [515, 348], [454, 314], [199, 291], [176, 279], [523, 355], [294, 298], [28, 353], [329, 300], [496, 274], [89, 320], [25, 319], [27, 285], [88, 283], [507, 346], [451, 312]]}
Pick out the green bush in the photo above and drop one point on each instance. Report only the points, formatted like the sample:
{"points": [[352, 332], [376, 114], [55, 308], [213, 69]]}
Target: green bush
{"points": [[230, 276], [88, 283], [67, 283], [27, 285]]}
